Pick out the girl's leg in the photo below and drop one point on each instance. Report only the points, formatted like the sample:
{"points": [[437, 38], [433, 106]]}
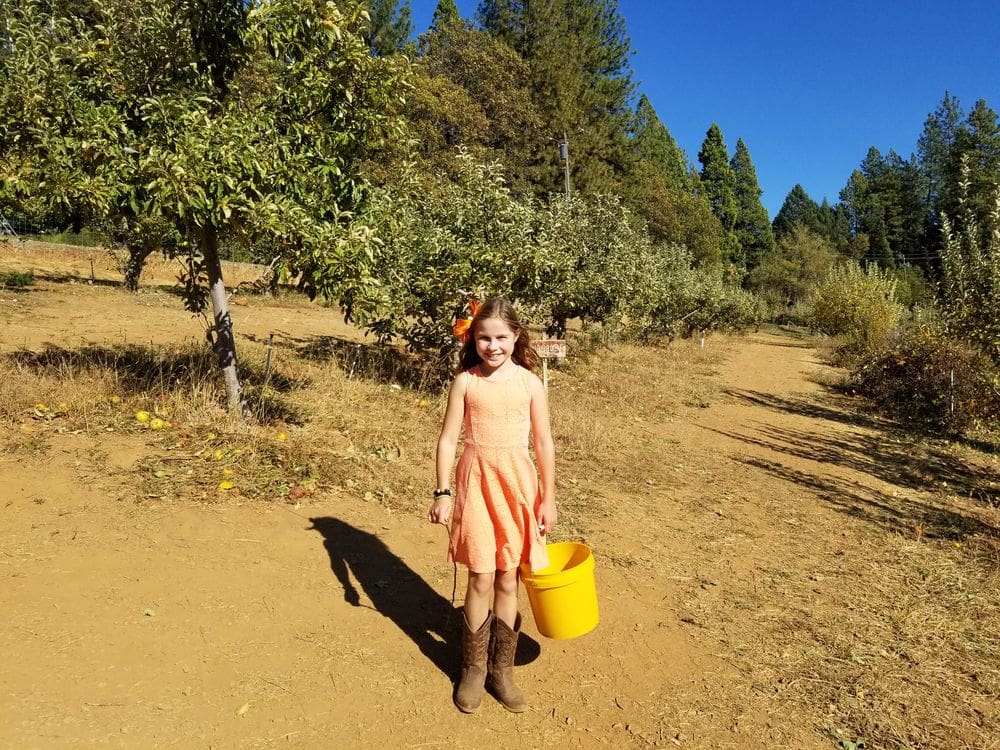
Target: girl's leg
{"points": [[505, 595], [477, 598], [503, 643], [476, 629]]}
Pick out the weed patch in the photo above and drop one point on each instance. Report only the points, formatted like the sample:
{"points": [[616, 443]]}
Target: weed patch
{"points": [[17, 279]]}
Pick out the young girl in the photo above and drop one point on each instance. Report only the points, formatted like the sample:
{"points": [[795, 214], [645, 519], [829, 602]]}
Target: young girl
{"points": [[501, 515]]}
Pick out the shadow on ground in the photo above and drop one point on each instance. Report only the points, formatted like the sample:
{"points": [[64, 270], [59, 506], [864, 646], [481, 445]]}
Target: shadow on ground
{"points": [[361, 559], [905, 515], [903, 458], [831, 407], [150, 369], [875, 449]]}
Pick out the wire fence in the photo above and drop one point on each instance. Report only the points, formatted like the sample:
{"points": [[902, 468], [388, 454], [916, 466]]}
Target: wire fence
{"points": [[11, 224]]}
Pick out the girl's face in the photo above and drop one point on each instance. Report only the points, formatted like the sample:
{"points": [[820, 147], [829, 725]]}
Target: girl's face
{"points": [[494, 343]]}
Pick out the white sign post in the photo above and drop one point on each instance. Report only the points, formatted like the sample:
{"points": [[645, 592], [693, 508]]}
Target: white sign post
{"points": [[549, 349]]}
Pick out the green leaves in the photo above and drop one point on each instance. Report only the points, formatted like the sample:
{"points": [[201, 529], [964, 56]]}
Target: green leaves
{"points": [[970, 264], [59, 132], [752, 227], [441, 242], [171, 123], [857, 305], [719, 183]]}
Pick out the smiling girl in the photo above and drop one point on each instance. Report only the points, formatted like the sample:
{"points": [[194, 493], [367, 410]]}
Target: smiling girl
{"points": [[501, 510]]}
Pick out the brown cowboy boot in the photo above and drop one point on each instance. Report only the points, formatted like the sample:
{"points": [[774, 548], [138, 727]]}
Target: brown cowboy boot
{"points": [[503, 644], [475, 645]]}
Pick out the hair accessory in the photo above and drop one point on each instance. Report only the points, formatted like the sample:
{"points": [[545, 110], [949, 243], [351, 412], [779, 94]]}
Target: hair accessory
{"points": [[462, 325]]}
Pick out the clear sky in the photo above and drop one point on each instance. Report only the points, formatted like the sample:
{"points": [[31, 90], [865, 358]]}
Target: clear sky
{"points": [[809, 86]]}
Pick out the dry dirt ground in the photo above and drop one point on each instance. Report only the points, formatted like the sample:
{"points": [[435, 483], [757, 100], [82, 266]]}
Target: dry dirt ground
{"points": [[754, 591]]}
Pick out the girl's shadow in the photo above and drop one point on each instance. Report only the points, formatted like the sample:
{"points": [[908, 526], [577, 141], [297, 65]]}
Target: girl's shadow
{"points": [[400, 594]]}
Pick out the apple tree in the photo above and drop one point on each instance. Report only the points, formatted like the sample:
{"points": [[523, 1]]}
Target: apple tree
{"points": [[256, 139]]}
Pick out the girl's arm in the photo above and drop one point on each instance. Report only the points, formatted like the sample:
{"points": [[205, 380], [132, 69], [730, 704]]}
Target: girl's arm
{"points": [[454, 414], [545, 454]]}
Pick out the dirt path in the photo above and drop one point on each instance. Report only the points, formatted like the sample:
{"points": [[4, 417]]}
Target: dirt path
{"points": [[250, 625]]}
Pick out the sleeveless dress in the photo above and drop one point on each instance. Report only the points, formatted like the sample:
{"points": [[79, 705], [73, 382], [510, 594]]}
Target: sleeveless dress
{"points": [[494, 524]]}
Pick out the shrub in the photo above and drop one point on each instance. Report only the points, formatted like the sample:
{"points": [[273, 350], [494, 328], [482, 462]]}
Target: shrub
{"points": [[441, 242], [800, 261], [913, 291], [970, 265], [858, 306], [679, 300], [17, 279], [925, 377]]}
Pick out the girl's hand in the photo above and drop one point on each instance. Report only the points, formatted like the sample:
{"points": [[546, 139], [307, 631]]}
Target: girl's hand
{"points": [[440, 511], [547, 517]]}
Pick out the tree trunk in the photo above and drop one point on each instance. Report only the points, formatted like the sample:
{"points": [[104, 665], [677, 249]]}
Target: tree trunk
{"points": [[224, 341], [133, 266]]}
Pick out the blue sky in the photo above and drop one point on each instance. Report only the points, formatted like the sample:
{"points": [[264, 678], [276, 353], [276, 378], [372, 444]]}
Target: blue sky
{"points": [[809, 86]]}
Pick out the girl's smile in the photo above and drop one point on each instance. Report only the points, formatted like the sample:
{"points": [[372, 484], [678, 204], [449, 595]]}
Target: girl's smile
{"points": [[494, 343]]}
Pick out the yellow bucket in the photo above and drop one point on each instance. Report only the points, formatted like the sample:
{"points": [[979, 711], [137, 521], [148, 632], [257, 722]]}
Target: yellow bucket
{"points": [[563, 596]]}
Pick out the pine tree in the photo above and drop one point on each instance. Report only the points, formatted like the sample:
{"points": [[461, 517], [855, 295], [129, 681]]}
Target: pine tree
{"points": [[885, 203], [934, 152], [471, 89], [753, 227], [445, 14], [654, 144], [881, 217], [718, 183], [659, 187], [949, 140], [578, 52], [977, 150], [798, 208], [834, 221], [509, 20], [909, 240], [391, 25]]}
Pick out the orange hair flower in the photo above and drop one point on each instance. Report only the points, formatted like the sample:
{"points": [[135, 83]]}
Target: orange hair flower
{"points": [[462, 325]]}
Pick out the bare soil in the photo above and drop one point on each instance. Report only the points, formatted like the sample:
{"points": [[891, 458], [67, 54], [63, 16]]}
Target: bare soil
{"points": [[776, 568]]}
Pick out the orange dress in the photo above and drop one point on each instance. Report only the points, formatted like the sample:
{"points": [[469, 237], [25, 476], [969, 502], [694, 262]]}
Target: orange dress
{"points": [[495, 522]]}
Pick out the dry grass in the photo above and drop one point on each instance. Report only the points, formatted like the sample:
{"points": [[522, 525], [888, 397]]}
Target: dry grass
{"points": [[352, 415], [883, 632], [602, 405], [314, 426], [899, 647]]}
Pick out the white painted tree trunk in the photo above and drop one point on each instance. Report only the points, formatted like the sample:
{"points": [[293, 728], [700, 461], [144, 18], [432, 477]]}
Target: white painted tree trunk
{"points": [[223, 341]]}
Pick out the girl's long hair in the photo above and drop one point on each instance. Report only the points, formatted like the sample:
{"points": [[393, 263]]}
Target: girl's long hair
{"points": [[499, 308]]}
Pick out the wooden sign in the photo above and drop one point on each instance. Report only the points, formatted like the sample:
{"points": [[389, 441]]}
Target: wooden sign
{"points": [[550, 348]]}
